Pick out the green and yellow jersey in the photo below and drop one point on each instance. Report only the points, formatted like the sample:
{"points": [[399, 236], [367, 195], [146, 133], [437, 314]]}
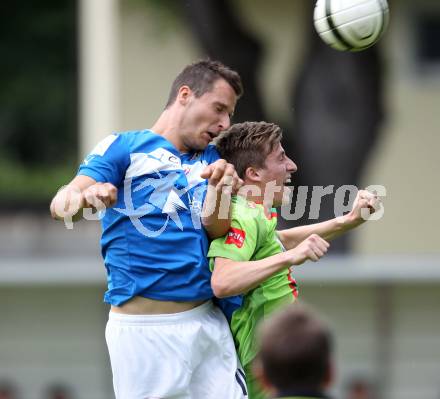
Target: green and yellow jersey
{"points": [[252, 236]]}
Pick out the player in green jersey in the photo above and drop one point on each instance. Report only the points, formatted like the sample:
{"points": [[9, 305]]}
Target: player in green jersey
{"points": [[253, 261]]}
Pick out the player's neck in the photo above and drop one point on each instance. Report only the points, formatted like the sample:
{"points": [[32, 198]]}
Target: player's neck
{"points": [[168, 126]]}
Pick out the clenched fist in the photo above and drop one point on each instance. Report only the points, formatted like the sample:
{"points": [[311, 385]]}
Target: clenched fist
{"points": [[100, 196], [70, 200], [222, 175], [364, 205], [312, 248]]}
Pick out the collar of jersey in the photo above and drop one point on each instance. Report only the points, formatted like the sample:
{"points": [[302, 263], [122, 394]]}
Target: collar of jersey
{"points": [[259, 204]]}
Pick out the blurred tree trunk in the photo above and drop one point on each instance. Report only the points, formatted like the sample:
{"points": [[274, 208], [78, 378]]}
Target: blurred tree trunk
{"points": [[337, 99], [221, 37]]}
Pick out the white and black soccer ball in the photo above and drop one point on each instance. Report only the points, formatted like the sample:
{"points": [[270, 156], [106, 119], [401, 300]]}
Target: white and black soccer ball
{"points": [[351, 25]]}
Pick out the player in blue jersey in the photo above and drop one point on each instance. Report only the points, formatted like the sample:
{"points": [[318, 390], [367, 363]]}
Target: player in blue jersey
{"points": [[165, 337]]}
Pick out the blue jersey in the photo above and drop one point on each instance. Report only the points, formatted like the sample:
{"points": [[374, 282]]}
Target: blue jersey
{"points": [[153, 242]]}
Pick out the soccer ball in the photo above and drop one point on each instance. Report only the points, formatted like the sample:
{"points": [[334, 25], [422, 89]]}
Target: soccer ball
{"points": [[351, 25]]}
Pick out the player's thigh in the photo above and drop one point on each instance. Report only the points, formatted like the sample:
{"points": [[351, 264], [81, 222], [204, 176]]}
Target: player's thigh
{"points": [[216, 381], [219, 373], [148, 361]]}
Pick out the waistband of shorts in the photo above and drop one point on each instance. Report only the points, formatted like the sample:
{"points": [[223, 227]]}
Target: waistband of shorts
{"points": [[168, 318]]}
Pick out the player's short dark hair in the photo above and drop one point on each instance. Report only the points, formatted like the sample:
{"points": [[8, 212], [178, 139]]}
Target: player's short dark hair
{"points": [[295, 350], [248, 144], [200, 77]]}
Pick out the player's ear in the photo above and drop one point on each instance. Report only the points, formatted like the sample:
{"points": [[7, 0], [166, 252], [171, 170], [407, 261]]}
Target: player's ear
{"points": [[252, 174], [184, 94]]}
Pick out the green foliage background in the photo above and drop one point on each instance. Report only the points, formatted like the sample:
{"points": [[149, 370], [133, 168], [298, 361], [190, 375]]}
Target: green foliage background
{"points": [[38, 99]]}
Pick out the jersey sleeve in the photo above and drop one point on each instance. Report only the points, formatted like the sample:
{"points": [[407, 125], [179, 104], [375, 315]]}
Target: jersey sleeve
{"points": [[239, 244], [108, 161]]}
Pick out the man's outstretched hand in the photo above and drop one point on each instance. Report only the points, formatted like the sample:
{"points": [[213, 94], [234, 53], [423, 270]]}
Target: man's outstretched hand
{"points": [[364, 205]]}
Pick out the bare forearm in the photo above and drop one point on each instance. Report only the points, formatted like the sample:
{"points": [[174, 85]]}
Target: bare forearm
{"points": [[68, 200], [82, 192], [216, 213], [233, 278], [364, 205], [328, 230], [222, 181]]}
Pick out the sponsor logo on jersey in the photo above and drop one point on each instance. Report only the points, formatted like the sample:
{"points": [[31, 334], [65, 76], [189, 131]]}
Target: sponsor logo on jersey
{"points": [[156, 161], [235, 236], [196, 155]]}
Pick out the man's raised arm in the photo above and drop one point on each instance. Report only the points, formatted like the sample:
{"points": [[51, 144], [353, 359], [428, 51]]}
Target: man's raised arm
{"points": [[222, 182], [82, 192], [333, 228], [231, 277]]}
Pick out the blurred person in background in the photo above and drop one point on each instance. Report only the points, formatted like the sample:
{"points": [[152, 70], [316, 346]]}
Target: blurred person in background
{"points": [[360, 388], [295, 357], [59, 391], [8, 390]]}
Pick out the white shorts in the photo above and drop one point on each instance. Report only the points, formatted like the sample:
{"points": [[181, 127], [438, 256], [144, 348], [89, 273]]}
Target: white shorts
{"points": [[186, 355]]}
